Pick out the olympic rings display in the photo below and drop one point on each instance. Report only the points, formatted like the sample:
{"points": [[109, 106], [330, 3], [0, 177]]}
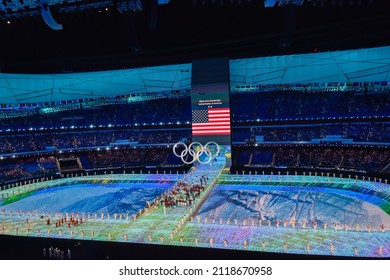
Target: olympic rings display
{"points": [[195, 149]]}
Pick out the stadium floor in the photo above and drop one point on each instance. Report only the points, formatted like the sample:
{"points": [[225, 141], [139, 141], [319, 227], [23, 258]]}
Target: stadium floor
{"points": [[171, 228]]}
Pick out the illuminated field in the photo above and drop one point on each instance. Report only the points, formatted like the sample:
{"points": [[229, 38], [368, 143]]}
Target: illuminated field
{"points": [[229, 211], [233, 212]]}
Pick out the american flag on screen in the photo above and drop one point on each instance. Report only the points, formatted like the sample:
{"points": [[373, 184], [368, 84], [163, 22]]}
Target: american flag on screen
{"points": [[211, 121]]}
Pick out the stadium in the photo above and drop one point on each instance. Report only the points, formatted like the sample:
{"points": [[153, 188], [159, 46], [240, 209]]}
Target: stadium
{"points": [[224, 152]]}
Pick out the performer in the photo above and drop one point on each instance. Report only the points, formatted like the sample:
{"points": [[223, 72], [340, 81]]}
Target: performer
{"points": [[357, 227], [308, 248], [284, 247], [380, 251], [331, 249], [355, 251], [211, 242], [263, 245], [293, 223]]}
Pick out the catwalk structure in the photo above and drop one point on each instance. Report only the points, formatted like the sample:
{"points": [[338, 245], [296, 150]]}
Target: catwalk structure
{"points": [[316, 215]]}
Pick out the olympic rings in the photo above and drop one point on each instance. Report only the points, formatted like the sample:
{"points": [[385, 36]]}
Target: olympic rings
{"points": [[196, 149]]}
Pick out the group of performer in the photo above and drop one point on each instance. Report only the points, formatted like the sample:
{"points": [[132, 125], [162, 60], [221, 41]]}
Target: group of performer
{"points": [[184, 192], [285, 223], [71, 222]]}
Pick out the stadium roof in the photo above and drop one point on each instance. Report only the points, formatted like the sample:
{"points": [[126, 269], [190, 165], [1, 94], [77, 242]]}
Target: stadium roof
{"points": [[25, 88], [184, 30], [365, 65]]}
